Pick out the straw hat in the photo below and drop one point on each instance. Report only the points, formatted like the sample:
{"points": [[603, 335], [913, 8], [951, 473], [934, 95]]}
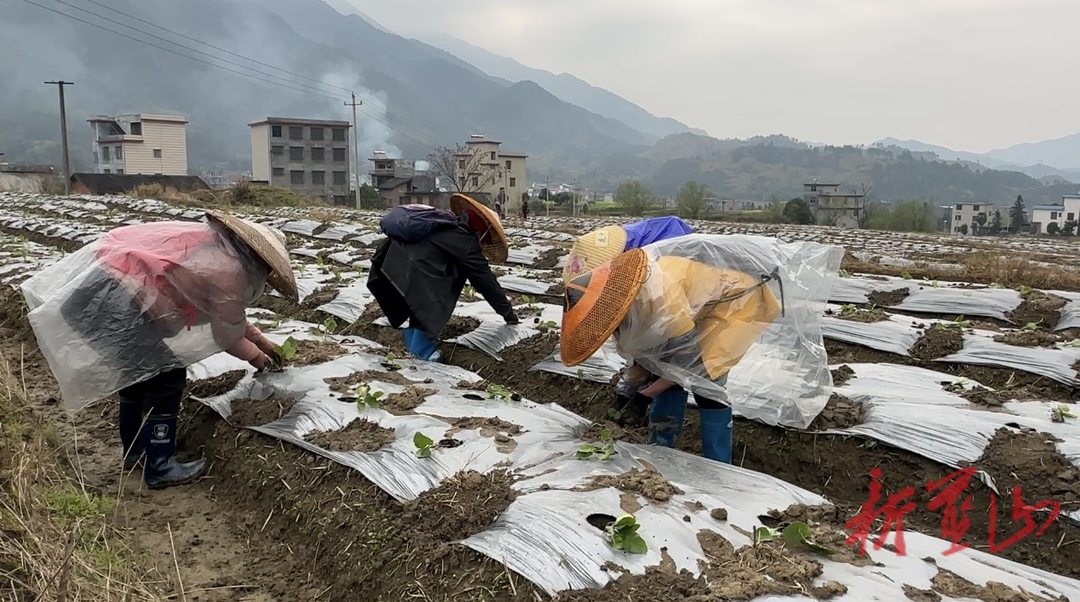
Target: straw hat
{"points": [[592, 249], [596, 302], [485, 223], [269, 244]]}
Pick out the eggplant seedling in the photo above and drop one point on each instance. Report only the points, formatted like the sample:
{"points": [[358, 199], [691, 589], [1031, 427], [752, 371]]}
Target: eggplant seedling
{"points": [[424, 445], [390, 363], [366, 398], [1061, 412], [547, 326], [1031, 326], [287, 350], [603, 451], [501, 392], [623, 535], [797, 534]]}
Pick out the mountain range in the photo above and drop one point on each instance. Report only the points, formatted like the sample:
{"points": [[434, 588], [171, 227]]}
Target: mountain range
{"points": [[226, 63]]}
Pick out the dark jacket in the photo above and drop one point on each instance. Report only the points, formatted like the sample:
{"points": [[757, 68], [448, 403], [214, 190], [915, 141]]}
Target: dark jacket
{"points": [[422, 281]]}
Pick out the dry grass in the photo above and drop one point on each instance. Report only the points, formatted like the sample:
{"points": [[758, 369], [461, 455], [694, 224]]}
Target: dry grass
{"points": [[56, 539], [980, 268]]}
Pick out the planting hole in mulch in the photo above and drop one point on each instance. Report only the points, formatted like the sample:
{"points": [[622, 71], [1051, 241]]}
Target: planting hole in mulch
{"points": [[528, 311], [310, 352], [1030, 460], [937, 342], [593, 432], [865, 316], [1028, 338], [218, 385], [473, 396], [648, 483], [842, 374], [827, 529], [458, 326], [888, 298], [460, 507], [493, 428], [341, 384], [359, 435], [258, 412], [1038, 308], [449, 443], [839, 413], [407, 400], [600, 521]]}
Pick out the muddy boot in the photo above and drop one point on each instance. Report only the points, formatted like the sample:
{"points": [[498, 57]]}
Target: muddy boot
{"points": [[129, 421], [162, 470], [716, 434], [666, 417]]}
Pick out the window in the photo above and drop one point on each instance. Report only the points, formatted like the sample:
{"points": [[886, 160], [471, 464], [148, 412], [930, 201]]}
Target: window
{"points": [[509, 165], [513, 182], [461, 164], [318, 177], [296, 177], [296, 153], [277, 150], [338, 134], [275, 131], [340, 178], [340, 155], [106, 171], [1053, 215], [957, 217], [105, 154], [318, 154], [494, 156], [120, 171], [959, 207], [1070, 217], [157, 153], [278, 171], [316, 133], [296, 133], [119, 152], [136, 128], [476, 182], [975, 208]]}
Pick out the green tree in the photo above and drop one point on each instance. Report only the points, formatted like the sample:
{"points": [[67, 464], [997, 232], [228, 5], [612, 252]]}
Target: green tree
{"points": [[525, 196], [796, 211], [905, 216], [1052, 228], [370, 198], [1070, 228], [997, 225], [634, 197], [544, 194], [562, 198], [963, 229], [774, 213], [1018, 215], [692, 199]]}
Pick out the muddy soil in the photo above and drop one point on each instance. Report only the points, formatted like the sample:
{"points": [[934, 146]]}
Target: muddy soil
{"points": [[360, 435], [841, 375], [656, 585], [768, 569], [258, 412], [548, 259], [218, 385], [501, 431], [304, 311], [407, 400], [950, 584], [310, 352], [556, 290], [648, 483], [384, 335], [513, 372], [865, 316], [889, 298], [341, 384], [839, 413], [1039, 308], [458, 326], [462, 506], [1028, 338], [1046, 473], [593, 432], [937, 342]]}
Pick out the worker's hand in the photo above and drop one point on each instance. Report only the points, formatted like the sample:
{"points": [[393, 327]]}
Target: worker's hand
{"points": [[511, 318], [262, 362], [266, 346]]}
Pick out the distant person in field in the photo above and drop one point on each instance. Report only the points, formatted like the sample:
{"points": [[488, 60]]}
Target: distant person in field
{"points": [[524, 210], [418, 272], [149, 300]]}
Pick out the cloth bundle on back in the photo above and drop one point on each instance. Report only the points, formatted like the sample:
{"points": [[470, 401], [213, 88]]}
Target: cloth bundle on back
{"points": [[129, 312], [687, 310], [418, 272]]}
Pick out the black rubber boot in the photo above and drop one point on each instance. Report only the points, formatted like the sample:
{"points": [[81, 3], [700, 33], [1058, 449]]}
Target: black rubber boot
{"points": [[162, 470], [129, 421]]}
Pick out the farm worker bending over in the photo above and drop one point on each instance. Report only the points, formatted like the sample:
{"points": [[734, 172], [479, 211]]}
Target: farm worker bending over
{"points": [[147, 301], [600, 246], [419, 271], [686, 318]]}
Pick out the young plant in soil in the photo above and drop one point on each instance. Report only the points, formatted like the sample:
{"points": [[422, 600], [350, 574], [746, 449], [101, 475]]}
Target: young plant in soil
{"points": [[1031, 326], [547, 326], [501, 392], [366, 398], [1061, 412], [390, 363], [528, 301], [604, 451], [325, 329], [623, 535], [795, 534], [286, 351], [424, 445], [580, 379]]}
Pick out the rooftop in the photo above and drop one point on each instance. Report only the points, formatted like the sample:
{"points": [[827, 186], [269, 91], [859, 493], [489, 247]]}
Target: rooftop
{"points": [[1048, 208], [297, 121], [139, 117]]}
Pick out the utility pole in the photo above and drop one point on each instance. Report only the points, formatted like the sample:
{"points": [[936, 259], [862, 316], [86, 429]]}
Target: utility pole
{"points": [[547, 200], [356, 147], [63, 134]]}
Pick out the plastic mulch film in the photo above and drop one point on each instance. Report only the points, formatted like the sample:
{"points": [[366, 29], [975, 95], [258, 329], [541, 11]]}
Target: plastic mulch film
{"points": [[104, 323], [340, 232], [1056, 364], [303, 227], [895, 335], [857, 289], [983, 302], [1070, 314], [599, 368], [526, 286], [494, 334], [709, 300], [526, 255], [350, 302]]}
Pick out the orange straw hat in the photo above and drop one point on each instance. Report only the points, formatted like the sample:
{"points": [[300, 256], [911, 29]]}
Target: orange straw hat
{"points": [[596, 302], [592, 249], [485, 223]]}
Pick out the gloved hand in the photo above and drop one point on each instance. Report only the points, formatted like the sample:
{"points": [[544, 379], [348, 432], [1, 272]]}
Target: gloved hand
{"points": [[630, 410], [511, 318]]}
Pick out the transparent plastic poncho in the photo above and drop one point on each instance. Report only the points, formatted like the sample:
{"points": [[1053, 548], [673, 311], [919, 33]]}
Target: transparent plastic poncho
{"points": [[140, 300], [736, 319]]}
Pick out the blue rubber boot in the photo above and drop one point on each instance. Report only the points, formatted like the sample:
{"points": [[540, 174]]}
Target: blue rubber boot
{"points": [[418, 343], [716, 434], [162, 470], [129, 421], [666, 417]]}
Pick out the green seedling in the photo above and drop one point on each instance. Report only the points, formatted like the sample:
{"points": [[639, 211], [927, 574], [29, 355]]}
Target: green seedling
{"points": [[424, 445], [337, 276], [905, 275], [1073, 343], [797, 534], [995, 285], [322, 264], [366, 398], [499, 392], [957, 386], [1031, 326], [614, 414], [1024, 290], [763, 535], [869, 444], [623, 535], [391, 362], [547, 326], [528, 301], [468, 291], [287, 350], [325, 329], [580, 379], [1061, 412], [845, 274], [603, 451], [848, 309], [961, 322]]}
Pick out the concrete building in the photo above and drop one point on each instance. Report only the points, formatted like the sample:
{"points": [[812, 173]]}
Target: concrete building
{"points": [[384, 168], [1044, 215], [308, 156], [832, 207], [977, 217], [142, 144], [495, 174]]}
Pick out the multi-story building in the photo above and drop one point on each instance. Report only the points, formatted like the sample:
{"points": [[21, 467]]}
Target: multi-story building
{"points": [[978, 218], [1044, 215], [495, 174], [142, 144], [832, 207], [307, 156], [400, 183]]}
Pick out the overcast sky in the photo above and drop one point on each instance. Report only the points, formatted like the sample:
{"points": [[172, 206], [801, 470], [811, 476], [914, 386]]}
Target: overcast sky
{"points": [[968, 74]]}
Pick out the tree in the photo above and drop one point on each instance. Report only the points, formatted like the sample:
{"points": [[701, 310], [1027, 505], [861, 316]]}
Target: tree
{"points": [[466, 167], [796, 211], [692, 199], [1052, 228], [997, 225], [544, 194], [370, 198], [1018, 215], [906, 216], [562, 198], [1070, 228], [634, 197], [525, 196], [963, 229]]}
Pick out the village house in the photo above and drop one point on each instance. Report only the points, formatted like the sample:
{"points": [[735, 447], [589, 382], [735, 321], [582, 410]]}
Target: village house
{"points": [[140, 144], [487, 159], [308, 156]]}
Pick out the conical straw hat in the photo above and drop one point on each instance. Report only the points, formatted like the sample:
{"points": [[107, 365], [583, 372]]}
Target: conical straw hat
{"points": [[269, 244], [486, 224], [596, 302], [592, 249]]}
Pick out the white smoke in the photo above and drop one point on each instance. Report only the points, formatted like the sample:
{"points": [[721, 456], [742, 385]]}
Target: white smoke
{"points": [[375, 131], [422, 165]]}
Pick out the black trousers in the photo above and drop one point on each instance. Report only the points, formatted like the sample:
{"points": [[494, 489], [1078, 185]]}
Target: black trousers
{"points": [[113, 324]]}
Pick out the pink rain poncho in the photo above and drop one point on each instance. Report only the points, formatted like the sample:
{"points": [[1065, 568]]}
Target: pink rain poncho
{"points": [[143, 299]]}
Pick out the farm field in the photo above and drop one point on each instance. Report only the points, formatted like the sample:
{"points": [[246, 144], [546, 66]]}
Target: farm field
{"points": [[946, 353]]}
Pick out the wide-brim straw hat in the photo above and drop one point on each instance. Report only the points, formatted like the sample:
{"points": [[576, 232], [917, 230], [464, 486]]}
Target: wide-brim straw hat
{"points": [[485, 222], [596, 302], [269, 244], [593, 249]]}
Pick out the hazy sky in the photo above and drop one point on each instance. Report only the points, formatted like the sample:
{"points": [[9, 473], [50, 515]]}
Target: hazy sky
{"points": [[968, 74]]}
